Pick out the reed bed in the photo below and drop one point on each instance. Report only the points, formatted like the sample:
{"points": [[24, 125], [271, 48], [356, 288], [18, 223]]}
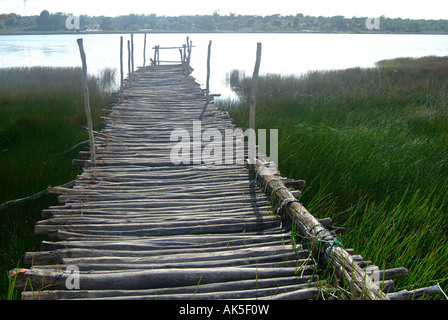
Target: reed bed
{"points": [[371, 144], [41, 115]]}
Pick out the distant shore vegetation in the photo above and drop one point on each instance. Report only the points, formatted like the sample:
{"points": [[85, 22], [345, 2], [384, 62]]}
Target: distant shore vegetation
{"points": [[56, 23]]}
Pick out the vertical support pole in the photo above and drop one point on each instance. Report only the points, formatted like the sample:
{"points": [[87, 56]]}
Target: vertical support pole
{"points": [[155, 56], [132, 52], [186, 50], [207, 88], [86, 101], [144, 51], [121, 67], [252, 135], [181, 57], [189, 55], [129, 59]]}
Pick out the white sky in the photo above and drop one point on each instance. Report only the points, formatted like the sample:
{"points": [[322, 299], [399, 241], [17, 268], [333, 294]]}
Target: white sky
{"points": [[428, 9]]}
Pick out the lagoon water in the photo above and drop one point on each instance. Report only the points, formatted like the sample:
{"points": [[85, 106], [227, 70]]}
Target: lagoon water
{"points": [[281, 53]]}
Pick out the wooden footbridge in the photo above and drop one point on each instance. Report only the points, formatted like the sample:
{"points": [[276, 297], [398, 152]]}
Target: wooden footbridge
{"points": [[137, 226]]}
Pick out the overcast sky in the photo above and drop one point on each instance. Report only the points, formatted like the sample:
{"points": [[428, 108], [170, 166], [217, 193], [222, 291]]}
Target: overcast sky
{"points": [[428, 9]]}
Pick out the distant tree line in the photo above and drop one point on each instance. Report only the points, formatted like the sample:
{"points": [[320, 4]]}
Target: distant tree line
{"points": [[56, 22]]}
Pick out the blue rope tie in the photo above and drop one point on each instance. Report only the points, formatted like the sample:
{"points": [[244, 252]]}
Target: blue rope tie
{"points": [[317, 233], [335, 242], [316, 225]]}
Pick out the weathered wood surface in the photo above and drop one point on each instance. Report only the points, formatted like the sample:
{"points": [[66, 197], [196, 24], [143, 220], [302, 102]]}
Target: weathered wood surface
{"points": [[139, 227], [320, 238], [136, 226], [86, 100]]}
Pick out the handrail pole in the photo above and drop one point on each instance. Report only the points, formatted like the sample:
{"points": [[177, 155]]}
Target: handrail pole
{"points": [[207, 92], [132, 52], [252, 135], [129, 58], [86, 100], [121, 67], [144, 51]]}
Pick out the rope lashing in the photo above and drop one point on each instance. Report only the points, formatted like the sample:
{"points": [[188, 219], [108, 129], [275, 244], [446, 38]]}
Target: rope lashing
{"points": [[281, 209], [269, 181], [316, 225], [278, 188], [262, 165], [334, 241]]}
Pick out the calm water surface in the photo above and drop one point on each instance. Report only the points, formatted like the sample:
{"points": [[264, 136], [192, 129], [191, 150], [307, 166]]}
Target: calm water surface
{"points": [[281, 53]]}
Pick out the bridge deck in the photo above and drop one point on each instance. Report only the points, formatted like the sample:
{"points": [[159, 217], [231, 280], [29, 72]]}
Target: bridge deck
{"points": [[137, 226]]}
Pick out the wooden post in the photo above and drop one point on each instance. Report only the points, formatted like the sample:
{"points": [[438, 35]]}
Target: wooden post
{"points": [[208, 73], [144, 51], [189, 55], [86, 100], [186, 49], [132, 52], [252, 135], [121, 67], [181, 57], [155, 56], [322, 242], [129, 59]]}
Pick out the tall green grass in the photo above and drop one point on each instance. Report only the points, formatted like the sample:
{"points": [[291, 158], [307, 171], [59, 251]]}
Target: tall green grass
{"points": [[41, 115], [372, 145]]}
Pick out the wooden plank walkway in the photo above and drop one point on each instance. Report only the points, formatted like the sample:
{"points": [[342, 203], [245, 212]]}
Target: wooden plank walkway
{"points": [[136, 226]]}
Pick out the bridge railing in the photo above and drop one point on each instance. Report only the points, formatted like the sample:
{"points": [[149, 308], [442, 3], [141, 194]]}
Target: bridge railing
{"points": [[185, 55]]}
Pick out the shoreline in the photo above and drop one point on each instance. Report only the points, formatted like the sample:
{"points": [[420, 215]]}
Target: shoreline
{"points": [[42, 33]]}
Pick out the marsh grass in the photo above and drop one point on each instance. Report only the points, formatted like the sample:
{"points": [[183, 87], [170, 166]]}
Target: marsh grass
{"points": [[371, 144], [41, 115]]}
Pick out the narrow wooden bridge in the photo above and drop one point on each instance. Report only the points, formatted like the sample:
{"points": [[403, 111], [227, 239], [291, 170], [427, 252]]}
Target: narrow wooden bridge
{"points": [[137, 226]]}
